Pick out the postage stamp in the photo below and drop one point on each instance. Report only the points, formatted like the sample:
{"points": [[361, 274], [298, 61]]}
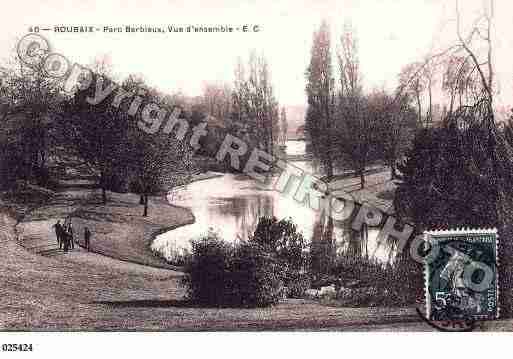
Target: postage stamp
{"points": [[461, 279]]}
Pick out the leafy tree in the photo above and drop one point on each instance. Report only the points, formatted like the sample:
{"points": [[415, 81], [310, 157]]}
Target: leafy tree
{"points": [[97, 134], [320, 90], [441, 187], [157, 161], [356, 123], [395, 127], [29, 100], [254, 104]]}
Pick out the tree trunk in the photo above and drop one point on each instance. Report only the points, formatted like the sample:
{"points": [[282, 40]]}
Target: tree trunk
{"points": [[393, 172], [419, 106], [362, 178], [329, 245], [145, 214], [429, 120], [102, 185]]}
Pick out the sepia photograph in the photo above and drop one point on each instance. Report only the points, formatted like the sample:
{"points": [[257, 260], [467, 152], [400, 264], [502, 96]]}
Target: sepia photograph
{"points": [[254, 166]]}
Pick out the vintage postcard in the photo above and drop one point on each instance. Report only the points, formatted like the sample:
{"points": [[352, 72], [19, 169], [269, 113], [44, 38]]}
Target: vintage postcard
{"points": [[255, 166]]}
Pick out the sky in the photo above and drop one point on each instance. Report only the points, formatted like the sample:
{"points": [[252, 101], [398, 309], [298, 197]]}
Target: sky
{"points": [[391, 34]]}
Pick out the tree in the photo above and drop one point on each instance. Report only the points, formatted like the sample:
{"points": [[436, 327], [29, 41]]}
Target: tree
{"points": [[217, 100], [429, 76], [356, 123], [395, 127], [440, 187], [459, 81], [254, 104], [412, 85], [30, 98], [97, 134], [474, 155], [157, 161], [320, 90]]}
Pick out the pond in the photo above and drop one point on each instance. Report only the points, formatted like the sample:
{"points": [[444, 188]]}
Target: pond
{"points": [[231, 204]]}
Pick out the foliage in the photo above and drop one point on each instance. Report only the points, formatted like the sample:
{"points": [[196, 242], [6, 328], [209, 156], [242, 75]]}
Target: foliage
{"points": [[96, 133], [28, 100], [256, 276], [9, 165], [393, 284], [255, 107], [442, 185], [283, 239], [297, 284], [356, 121], [395, 126], [220, 274], [320, 90], [208, 271]]}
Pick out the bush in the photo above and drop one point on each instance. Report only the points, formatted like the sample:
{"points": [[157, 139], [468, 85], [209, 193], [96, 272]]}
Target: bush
{"points": [[282, 239], [256, 276], [446, 180], [219, 274], [372, 282], [297, 284], [208, 271]]}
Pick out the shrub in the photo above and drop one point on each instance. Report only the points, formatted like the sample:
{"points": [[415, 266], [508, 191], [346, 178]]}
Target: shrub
{"points": [[256, 276], [297, 284], [376, 283], [208, 271], [445, 180], [287, 245], [282, 239], [220, 274]]}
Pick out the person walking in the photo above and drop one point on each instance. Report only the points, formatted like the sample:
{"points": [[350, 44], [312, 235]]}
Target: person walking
{"points": [[70, 236], [65, 240], [58, 233], [87, 238]]}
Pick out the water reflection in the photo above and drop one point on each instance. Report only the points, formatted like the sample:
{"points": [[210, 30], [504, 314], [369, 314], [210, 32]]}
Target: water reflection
{"points": [[232, 204]]}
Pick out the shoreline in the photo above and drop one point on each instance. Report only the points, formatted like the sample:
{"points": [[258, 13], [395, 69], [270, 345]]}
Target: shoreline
{"points": [[203, 176]]}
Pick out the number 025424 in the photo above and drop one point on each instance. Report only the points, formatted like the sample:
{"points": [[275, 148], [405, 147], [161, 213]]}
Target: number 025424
{"points": [[16, 347]]}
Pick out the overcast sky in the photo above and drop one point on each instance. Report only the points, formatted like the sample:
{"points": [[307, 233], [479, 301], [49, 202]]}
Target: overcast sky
{"points": [[391, 33]]}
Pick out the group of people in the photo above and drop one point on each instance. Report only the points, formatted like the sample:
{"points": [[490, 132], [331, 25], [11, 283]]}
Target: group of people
{"points": [[65, 237]]}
